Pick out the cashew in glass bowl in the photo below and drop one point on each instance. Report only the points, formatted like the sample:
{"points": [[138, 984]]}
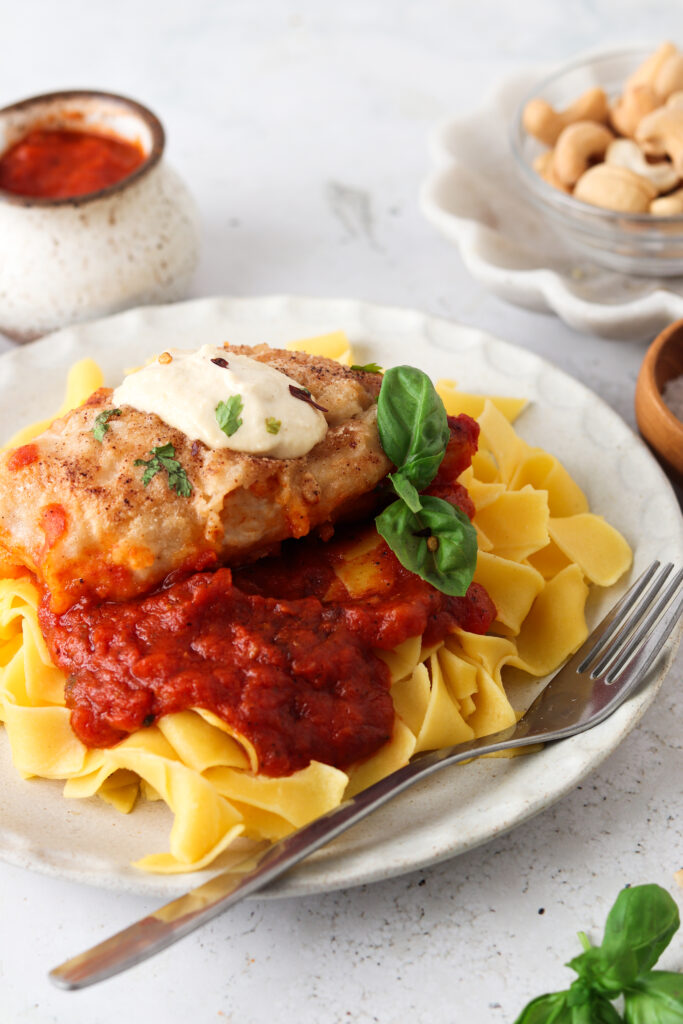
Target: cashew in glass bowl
{"points": [[631, 107], [545, 123], [649, 70], [646, 157], [543, 165], [626, 153], [668, 206], [578, 146], [661, 134], [615, 188]]}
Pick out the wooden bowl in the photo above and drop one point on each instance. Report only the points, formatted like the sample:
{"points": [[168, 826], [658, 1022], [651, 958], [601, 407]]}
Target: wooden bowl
{"points": [[662, 430]]}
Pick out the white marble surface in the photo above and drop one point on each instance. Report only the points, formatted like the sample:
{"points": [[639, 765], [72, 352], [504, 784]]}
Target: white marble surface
{"points": [[301, 130]]}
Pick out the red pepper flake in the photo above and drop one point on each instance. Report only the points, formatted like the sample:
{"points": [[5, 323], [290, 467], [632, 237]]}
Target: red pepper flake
{"points": [[219, 361], [305, 395]]}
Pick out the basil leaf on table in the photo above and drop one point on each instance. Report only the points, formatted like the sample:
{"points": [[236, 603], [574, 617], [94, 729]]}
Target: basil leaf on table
{"points": [[549, 1009], [638, 929], [412, 424], [589, 1007], [570, 1007], [450, 567], [656, 998]]}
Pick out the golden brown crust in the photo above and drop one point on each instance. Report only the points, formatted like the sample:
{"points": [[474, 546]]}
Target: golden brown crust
{"points": [[120, 538]]}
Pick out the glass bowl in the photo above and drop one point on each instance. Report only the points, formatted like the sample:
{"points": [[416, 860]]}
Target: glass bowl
{"points": [[630, 243]]}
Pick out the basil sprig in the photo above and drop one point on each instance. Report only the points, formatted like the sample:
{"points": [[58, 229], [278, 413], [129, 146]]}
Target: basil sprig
{"points": [[638, 929], [428, 535]]}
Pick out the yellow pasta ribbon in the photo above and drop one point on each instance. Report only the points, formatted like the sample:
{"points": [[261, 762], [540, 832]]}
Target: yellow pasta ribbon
{"points": [[83, 378], [456, 401]]}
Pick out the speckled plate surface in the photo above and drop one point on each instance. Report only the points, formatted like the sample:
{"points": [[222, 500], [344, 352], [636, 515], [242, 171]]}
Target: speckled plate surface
{"points": [[474, 197], [460, 808]]}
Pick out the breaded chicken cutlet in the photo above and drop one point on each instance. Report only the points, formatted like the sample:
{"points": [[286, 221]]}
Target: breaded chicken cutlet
{"points": [[75, 510]]}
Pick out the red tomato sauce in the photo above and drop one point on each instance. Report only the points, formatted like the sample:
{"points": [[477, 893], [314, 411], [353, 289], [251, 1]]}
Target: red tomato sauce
{"points": [[59, 164], [53, 522], [22, 457], [281, 650]]}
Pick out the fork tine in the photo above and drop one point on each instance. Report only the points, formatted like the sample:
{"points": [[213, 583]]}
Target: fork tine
{"points": [[649, 638], [630, 621], [613, 620]]}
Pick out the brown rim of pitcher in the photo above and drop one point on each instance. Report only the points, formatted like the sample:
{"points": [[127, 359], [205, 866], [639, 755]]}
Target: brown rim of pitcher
{"points": [[151, 160]]}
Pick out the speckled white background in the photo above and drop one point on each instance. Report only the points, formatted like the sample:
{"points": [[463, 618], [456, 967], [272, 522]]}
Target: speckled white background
{"points": [[301, 130]]}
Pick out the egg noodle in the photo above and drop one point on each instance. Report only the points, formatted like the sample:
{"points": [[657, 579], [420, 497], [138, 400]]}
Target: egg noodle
{"points": [[539, 547]]}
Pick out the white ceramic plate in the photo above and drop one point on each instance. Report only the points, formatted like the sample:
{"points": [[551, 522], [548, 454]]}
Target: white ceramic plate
{"points": [[474, 198], [89, 842]]}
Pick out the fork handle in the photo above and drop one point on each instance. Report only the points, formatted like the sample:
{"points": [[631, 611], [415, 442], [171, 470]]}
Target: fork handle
{"points": [[180, 917]]}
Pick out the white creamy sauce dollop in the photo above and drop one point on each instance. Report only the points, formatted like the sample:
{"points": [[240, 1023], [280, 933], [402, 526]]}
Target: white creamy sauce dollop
{"points": [[186, 391]]}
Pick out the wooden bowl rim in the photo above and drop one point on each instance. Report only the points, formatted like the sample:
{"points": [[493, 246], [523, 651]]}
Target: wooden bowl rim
{"points": [[648, 396]]}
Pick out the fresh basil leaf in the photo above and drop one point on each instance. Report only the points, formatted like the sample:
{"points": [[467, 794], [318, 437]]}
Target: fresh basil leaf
{"points": [[228, 415], [101, 425], [549, 1009], [406, 491], [589, 1006], [598, 1010], [643, 919], [451, 566], [368, 368], [638, 929], [572, 1007], [412, 424], [656, 998], [590, 967]]}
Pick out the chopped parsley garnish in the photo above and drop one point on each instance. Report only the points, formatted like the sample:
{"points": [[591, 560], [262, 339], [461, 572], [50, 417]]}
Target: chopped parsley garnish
{"points": [[163, 457], [101, 423], [273, 425], [228, 415], [368, 368]]}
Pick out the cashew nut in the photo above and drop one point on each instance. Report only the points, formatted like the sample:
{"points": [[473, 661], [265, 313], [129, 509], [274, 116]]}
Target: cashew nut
{"points": [[543, 165], [626, 153], [669, 78], [615, 188], [668, 206], [675, 101], [661, 134], [632, 106], [577, 146], [545, 123], [647, 73]]}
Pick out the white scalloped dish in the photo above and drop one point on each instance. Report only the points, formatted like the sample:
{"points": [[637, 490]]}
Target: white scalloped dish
{"points": [[88, 841], [475, 198]]}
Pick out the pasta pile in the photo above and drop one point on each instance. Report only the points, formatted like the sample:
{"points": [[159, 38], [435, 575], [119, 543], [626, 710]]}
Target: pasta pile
{"points": [[539, 546]]}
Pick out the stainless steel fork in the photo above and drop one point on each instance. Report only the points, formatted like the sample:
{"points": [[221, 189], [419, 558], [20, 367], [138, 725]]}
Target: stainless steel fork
{"points": [[590, 687]]}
